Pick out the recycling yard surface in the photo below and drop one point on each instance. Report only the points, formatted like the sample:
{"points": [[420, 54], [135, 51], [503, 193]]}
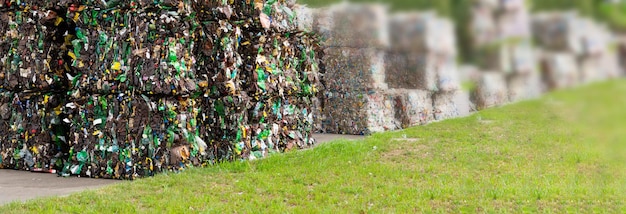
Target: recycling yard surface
{"points": [[22, 186]]}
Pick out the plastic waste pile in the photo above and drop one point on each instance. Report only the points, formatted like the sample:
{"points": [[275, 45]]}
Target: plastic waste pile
{"points": [[141, 87]]}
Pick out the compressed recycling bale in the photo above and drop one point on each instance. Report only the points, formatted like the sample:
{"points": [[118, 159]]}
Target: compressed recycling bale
{"points": [[263, 15], [257, 77], [126, 136], [598, 67], [558, 31], [483, 27], [267, 64], [491, 90], [494, 22], [413, 107], [222, 124], [354, 69], [514, 20], [33, 135], [421, 71], [118, 50], [280, 124], [452, 104], [33, 53], [559, 70], [524, 86], [353, 25], [514, 57], [424, 32], [295, 71], [358, 113], [239, 127], [126, 4]]}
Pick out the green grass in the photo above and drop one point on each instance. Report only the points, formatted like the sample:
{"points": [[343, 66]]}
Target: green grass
{"points": [[563, 153]]}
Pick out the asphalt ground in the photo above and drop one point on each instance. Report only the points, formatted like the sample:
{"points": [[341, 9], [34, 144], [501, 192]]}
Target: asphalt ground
{"points": [[22, 186]]}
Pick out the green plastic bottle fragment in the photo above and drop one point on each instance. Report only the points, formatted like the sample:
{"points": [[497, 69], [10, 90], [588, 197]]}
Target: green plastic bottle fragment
{"points": [[82, 156]]}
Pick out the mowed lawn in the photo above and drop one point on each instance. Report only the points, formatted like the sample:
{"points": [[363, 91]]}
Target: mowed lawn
{"points": [[563, 153]]}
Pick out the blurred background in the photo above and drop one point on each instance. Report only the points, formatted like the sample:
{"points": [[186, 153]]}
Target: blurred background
{"points": [[611, 12], [419, 61]]}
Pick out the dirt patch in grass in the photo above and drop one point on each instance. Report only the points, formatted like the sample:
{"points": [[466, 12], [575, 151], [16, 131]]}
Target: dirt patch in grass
{"points": [[407, 151]]}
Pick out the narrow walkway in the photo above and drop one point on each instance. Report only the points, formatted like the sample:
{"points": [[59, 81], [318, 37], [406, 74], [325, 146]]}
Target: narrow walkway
{"points": [[22, 186]]}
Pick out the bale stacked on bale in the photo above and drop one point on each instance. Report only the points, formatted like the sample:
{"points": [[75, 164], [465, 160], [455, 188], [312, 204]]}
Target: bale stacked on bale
{"points": [[33, 81], [423, 53], [131, 110], [587, 42], [421, 62], [258, 70], [156, 85], [501, 42]]}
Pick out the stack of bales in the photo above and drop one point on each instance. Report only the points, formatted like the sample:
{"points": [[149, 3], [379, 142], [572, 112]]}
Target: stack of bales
{"points": [[34, 64], [421, 66], [130, 110], [501, 42], [126, 89], [356, 99], [576, 49], [258, 70]]}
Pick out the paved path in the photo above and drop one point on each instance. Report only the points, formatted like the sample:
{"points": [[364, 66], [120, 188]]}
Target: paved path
{"points": [[23, 186]]}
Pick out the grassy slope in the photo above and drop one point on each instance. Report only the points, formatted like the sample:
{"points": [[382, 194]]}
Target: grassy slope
{"points": [[565, 152]]}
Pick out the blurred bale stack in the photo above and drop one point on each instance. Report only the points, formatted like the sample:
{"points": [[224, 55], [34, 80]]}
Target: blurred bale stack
{"points": [[356, 99], [590, 44], [422, 64], [502, 43]]}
